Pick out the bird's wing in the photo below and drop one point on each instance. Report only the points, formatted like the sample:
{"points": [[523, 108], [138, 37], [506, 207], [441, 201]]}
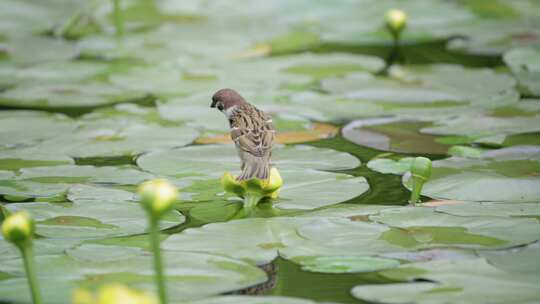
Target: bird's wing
{"points": [[252, 131]]}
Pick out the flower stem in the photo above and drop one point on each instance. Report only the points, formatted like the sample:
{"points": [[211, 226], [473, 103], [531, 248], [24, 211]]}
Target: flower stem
{"points": [[250, 202], [28, 258], [158, 262], [118, 18], [416, 190]]}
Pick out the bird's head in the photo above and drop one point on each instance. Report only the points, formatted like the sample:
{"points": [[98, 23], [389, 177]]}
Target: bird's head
{"points": [[226, 100]]}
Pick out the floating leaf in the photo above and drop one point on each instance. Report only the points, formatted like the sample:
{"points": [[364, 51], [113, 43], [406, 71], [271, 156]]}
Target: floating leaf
{"points": [[505, 175]]}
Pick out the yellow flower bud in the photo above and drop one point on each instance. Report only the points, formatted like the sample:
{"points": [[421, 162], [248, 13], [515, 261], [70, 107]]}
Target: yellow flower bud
{"points": [[157, 196], [231, 185], [82, 296], [112, 294], [396, 20], [265, 188], [18, 228]]}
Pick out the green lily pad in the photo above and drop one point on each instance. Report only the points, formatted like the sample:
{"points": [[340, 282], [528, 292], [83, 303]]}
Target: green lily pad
{"points": [[201, 160], [479, 38], [390, 166], [15, 159], [433, 91], [317, 244], [54, 181], [193, 275], [492, 209], [347, 264], [65, 95], [504, 175], [492, 126], [425, 227], [253, 300], [26, 128], [525, 65], [304, 188], [393, 134], [253, 240], [52, 72], [90, 219], [22, 49], [467, 280], [117, 135]]}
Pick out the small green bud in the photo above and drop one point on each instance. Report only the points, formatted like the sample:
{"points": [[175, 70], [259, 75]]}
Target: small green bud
{"points": [[421, 168], [157, 196], [396, 21], [420, 173], [18, 228]]}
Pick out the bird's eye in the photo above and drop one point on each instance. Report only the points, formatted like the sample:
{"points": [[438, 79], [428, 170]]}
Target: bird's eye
{"points": [[220, 107]]}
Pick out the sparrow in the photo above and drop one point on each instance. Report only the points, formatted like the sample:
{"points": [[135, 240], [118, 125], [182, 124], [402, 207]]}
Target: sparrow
{"points": [[251, 130]]}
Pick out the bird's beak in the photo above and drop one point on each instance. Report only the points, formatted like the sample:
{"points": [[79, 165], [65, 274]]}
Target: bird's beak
{"points": [[213, 105]]}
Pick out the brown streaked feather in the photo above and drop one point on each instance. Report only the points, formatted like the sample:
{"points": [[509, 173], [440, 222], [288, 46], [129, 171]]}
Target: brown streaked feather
{"points": [[252, 130]]}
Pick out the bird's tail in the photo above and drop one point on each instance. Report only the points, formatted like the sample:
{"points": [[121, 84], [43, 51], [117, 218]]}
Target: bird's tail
{"points": [[255, 167]]}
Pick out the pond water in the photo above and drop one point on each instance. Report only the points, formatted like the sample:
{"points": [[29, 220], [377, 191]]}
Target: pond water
{"points": [[93, 102]]}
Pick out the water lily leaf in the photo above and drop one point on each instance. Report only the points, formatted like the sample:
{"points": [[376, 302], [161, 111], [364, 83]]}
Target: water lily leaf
{"points": [[90, 219], [492, 209], [26, 128], [298, 238], [314, 132], [390, 166], [347, 264], [393, 134], [201, 160], [15, 159], [65, 95], [478, 37], [51, 72], [514, 261], [505, 175], [426, 227], [118, 135], [21, 49], [254, 240], [451, 281], [434, 91], [54, 181], [252, 300], [194, 275], [524, 64], [304, 187], [492, 126]]}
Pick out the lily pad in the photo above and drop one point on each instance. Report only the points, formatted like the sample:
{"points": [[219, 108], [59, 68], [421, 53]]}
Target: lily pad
{"points": [[347, 264], [525, 65], [490, 127], [504, 175], [65, 95], [467, 280], [90, 219], [201, 160], [393, 134], [194, 275], [390, 166], [304, 187], [431, 91], [26, 128], [54, 181], [118, 135], [253, 300], [426, 227], [492, 209]]}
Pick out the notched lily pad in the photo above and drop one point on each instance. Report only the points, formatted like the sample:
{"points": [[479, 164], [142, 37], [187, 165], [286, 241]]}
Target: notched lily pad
{"points": [[504, 175]]}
